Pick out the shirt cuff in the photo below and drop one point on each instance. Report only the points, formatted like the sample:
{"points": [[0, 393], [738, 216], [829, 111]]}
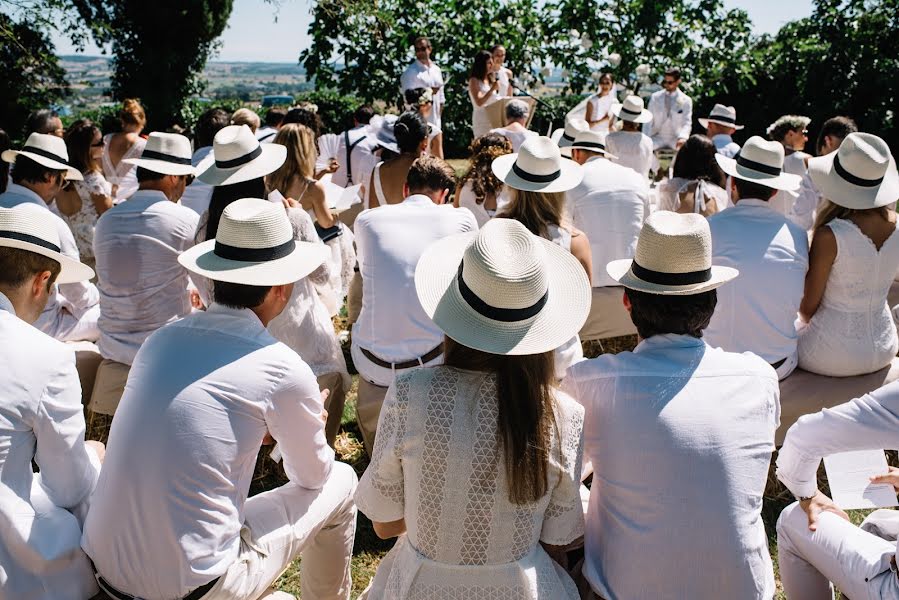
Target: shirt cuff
{"points": [[798, 473]]}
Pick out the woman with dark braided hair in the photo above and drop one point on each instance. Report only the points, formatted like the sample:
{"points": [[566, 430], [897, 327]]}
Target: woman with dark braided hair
{"points": [[479, 190]]}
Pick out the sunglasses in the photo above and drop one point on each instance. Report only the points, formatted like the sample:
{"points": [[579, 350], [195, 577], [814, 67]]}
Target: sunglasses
{"points": [[668, 82], [188, 179], [422, 48]]}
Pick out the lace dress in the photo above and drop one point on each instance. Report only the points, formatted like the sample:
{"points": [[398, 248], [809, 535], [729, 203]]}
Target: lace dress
{"points": [[438, 464], [480, 122], [852, 332], [82, 223], [122, 174]]}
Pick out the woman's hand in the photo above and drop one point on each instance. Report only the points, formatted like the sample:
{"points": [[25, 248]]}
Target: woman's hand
{"points": [[891, 477]]}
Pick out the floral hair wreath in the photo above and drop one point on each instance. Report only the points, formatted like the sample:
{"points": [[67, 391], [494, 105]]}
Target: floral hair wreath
{"points": [[427, 97]]}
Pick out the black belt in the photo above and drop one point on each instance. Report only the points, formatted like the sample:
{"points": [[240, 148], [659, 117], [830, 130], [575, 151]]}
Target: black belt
{"points": [[114, 593], [406, 364], [778, 364]]}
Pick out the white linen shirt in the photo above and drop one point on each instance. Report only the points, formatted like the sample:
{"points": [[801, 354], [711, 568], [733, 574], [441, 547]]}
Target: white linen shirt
{"points": [[420, 75], [167, 514], [362, 157], [41, 419], [667, 127], [725, 145], [516, 138], [757, 311], [70, 301], [805, 207], [142, 285], [631, 149], [609, 205], [198, 194], [390, 239], [680, 436]]}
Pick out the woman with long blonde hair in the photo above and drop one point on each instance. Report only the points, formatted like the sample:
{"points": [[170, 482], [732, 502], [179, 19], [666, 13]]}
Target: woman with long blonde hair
{"points": [[296, 177]]}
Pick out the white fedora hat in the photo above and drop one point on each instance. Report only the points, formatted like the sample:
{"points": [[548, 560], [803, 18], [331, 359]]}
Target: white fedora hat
{"points": [[674, 257], [238, 156], [47, 150], [723, 115], [760, 161], [632, 110], [27, 227], [538, 166], [384, 134], [166, 153], [503, 290], [861, 174], [573, 126], [588, 140], [254, 245]]}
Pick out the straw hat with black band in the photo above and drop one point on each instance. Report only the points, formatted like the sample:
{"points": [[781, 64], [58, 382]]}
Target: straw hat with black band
{"points": [[537, 167], [760, 161], [723, 115], [238, 156], [592, 141], [27, 227], [632, 110], [48, 151], [565, 136], [860, 175], [166, 153]]}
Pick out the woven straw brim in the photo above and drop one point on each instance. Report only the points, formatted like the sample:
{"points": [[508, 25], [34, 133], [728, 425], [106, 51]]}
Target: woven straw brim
{"points": [[161, 166], [569, 178], [620, 271], [303, 260], [841, 192], [644, 117], [565, 312], [273, 156], [72, 270], [705, 123], [71, 174], [785, 181]]}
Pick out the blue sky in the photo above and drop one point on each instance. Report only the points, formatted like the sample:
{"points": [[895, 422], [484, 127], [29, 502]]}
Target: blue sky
{"points": [[253, 34]]}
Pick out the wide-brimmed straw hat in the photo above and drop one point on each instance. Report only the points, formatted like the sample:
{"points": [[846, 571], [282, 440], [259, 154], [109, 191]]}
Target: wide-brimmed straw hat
{"points": [[254, 245], [384, 134], [573, 126], [631, 110], [538, 166], [861, 174], [47, 150], [723, 115], [503, 290], [238, 156], [27, 227], [588, 140], [674, 257], [166, 153], [760, 161]]}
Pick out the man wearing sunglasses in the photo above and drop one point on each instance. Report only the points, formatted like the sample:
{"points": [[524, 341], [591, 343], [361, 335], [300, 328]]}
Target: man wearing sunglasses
{"points": [[136, 244], [672, 114], [424, 73]]}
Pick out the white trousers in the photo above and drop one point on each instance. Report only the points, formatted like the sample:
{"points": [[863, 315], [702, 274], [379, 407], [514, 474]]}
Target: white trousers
{"points": [[855, 561], [284, 523]]}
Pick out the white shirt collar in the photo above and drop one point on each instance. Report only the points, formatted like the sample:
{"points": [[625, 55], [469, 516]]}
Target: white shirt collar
{"points": [[595, 158], [418, 199], [752, 202], [668, 340], [149, 196], [21, 190], [6, 304], [672, 94], [426, 65]]}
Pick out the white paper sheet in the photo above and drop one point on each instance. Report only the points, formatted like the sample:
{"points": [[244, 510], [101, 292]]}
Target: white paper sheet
{"points": [[340, 199], [849, 475]]}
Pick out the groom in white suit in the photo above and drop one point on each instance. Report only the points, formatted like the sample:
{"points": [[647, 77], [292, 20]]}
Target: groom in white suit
{"points": [[672, 114]]}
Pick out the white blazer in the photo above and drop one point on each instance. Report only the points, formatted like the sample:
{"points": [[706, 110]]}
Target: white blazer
{"points": [[666, 128]]}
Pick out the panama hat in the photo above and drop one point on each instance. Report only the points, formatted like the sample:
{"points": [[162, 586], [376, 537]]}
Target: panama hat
{"points": [[760, 161], [631, 110], [573, 126], [592, 141], [27, 227], [503, 290], [166, 153], [384, 134], [46, 150], [860, 174], [238, 156], [537, 167], [254, 245], [674, 257], [723, 115]]}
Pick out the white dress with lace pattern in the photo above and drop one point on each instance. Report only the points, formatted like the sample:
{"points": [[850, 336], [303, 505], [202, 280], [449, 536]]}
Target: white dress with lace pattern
{"points": [[82, 223], [852, 331], [438, 464]]}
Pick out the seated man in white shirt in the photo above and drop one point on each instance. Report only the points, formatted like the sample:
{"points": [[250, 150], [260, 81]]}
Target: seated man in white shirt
{"points": [[355, 150], [198, 194], [273, 119], [631, 147], [816, 542], [680, 435], [720, 125], [609, 205], [137, 243], [170, 516], [41, 421], [516, 130], [393, 333], [758, 313], [39, 171]]}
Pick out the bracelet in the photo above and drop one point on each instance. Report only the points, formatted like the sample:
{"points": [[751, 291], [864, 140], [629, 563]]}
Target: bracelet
{"points": [[801, 499]]}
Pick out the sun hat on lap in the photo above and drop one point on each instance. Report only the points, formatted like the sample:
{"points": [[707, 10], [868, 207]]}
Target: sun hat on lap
{"points": [[674, 257], [27, 227], [166, 153], [537, 167], [46, 150], [238, 156], [760, 161], [861, 174], [503, 290], [254, 245]]}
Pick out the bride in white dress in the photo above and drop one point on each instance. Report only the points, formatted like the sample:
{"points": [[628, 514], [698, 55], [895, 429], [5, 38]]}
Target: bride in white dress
{"points": [[483, 90]]}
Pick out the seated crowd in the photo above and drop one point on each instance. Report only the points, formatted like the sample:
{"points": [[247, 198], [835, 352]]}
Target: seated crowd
{"points": [[207, 273]]}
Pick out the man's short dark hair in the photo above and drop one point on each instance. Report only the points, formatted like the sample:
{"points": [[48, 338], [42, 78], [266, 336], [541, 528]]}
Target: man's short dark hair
{"points": [[421, 38], [18, 266], [657, 314], [673, 73], [364, 114], [430, 174], [751, 189], [144, 175], [238, 295], [25, 169], [209, 124], [838, 127], [275, 116], [40, 121]]}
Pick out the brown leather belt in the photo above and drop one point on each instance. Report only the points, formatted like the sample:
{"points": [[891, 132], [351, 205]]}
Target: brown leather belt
{"points": [[406, 364]]}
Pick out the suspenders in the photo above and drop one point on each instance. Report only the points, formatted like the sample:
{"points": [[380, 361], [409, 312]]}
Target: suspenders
{"points": [[349, 151]]}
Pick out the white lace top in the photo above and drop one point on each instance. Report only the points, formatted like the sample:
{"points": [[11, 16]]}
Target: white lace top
{"points": [[123, 175], [438, 464], [852, 331], [82, 223]]}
